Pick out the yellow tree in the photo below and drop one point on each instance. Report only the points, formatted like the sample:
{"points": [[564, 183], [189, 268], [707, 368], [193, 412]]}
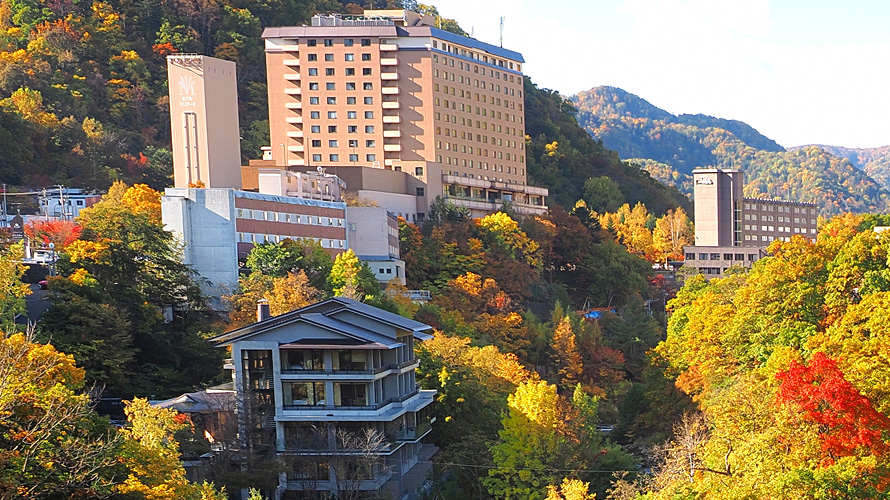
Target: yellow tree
{"points": [[570, 489], [291, 292], [566, 358], [630, 226], [151, 454], [672, 232]]}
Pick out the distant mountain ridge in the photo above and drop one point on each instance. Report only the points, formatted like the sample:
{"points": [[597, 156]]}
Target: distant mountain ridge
{"points": [[671, 146], [873, 161]]}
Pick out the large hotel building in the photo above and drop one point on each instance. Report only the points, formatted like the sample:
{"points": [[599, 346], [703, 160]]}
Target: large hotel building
{"points": [[390, 91], [732, 230]]}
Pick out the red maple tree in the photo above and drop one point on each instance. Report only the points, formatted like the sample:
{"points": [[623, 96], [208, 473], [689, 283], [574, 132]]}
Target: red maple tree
{"points": [[847, 420]]}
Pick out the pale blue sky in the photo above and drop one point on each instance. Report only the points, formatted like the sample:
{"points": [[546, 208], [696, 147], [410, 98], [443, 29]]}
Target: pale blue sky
{"points": [[799, 71]]}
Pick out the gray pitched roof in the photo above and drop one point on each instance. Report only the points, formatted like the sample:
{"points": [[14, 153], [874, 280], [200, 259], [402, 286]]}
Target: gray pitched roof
{"points": [[324, 314]]}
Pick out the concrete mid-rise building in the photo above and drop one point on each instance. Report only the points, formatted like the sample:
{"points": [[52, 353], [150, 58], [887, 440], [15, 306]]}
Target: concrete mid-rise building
{"points": [[390, 91], [732, 230], [331, 390], [373, 234]]}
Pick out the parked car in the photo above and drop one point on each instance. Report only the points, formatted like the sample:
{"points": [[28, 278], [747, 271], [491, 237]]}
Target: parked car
{"points": [[44, 284]]}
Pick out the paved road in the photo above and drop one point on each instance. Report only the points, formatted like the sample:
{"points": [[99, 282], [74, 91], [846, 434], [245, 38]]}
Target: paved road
{"points": [[36, 304]]}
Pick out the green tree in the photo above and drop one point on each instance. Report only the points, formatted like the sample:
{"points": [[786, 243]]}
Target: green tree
{"points": [[602, 194], [353, 279]]}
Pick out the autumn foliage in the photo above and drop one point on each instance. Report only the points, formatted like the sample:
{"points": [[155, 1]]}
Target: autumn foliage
{"points": [[848, 423]]}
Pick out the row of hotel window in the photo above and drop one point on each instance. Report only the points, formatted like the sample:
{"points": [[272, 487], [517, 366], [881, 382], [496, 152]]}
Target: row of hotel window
{"points": [[348, 71], [781, 229], [495, 141], [763, 237], [481, 84], [507, 117], [727, 256], [267, 215], [258, 239], [499, 155], [453, 132], [486, 178], [779, 208], [483, 98], [329, 57], [770, 218], [466, 108], [449, 61], [352, 129], [333, 86], [477, 56]]}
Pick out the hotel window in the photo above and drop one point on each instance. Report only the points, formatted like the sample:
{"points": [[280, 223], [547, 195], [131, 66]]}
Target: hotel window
{"points": [[369, 115], [313, 71], [313, 100], [369, 129], [329, 57], [311, 57], [313, 86], [368, 86], [369, 143], [367, 71], [315, 129], [366, 57], [316, 143], [351, 115], [316, 158], [350, 71], [329, 71], [328, 42], [369, 100], [332, 100], [332, 143], [349, 57], [314, 115], [350, 100], [330, 86], [332, 114], [366, 42], [353, 157], [370, 157], [352, 129], [310, 43], [353, 143], [350, 85], [335, 157], [332, 129]]}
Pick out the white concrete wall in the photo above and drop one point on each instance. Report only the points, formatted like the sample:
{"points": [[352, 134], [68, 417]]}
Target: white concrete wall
{"points": [[204, 222]]}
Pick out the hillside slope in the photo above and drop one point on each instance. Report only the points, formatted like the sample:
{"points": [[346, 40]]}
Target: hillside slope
{"points": [[873, 161], [637, 129]]}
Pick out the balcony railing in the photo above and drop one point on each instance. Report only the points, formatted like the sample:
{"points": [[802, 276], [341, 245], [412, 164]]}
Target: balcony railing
{"points": [[374, 371], [373, 407]]}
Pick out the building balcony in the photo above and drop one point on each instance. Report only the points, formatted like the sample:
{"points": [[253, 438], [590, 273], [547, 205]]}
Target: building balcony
{"points": [[390, 105], [291, 77], [291, 62], [388, 148], [389, 90], [389, 76], [295, 133], [294, 119], [389, 61], [390, 134], [414, 435], [293, 105], [385, 410], [388, 47], [296, 149], [293, 91], [392, 119], [370, 374]]}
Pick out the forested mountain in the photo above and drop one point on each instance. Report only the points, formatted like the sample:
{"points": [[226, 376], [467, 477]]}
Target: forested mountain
{"points": [[873, 161], [637, 129]]}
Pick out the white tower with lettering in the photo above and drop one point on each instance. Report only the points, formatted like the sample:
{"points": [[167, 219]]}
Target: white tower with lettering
{"points": [[204, 121]]}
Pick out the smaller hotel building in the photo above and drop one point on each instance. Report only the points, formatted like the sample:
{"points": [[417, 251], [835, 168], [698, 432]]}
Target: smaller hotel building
{"points": [[731, 230]]}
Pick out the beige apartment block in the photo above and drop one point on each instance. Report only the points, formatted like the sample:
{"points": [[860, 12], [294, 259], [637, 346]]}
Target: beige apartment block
{"points": [[204, 99], [390, 91], [731, 230]]}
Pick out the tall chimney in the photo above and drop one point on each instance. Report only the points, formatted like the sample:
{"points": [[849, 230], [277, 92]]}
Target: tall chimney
{"points": [[263, 312]]}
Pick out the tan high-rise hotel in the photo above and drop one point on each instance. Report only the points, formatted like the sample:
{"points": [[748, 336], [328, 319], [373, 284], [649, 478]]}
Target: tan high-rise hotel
{"points": [[389, 90]]}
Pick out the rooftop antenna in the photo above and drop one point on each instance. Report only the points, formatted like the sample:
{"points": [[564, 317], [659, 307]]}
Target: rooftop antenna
{"points": [[502, 31]]}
